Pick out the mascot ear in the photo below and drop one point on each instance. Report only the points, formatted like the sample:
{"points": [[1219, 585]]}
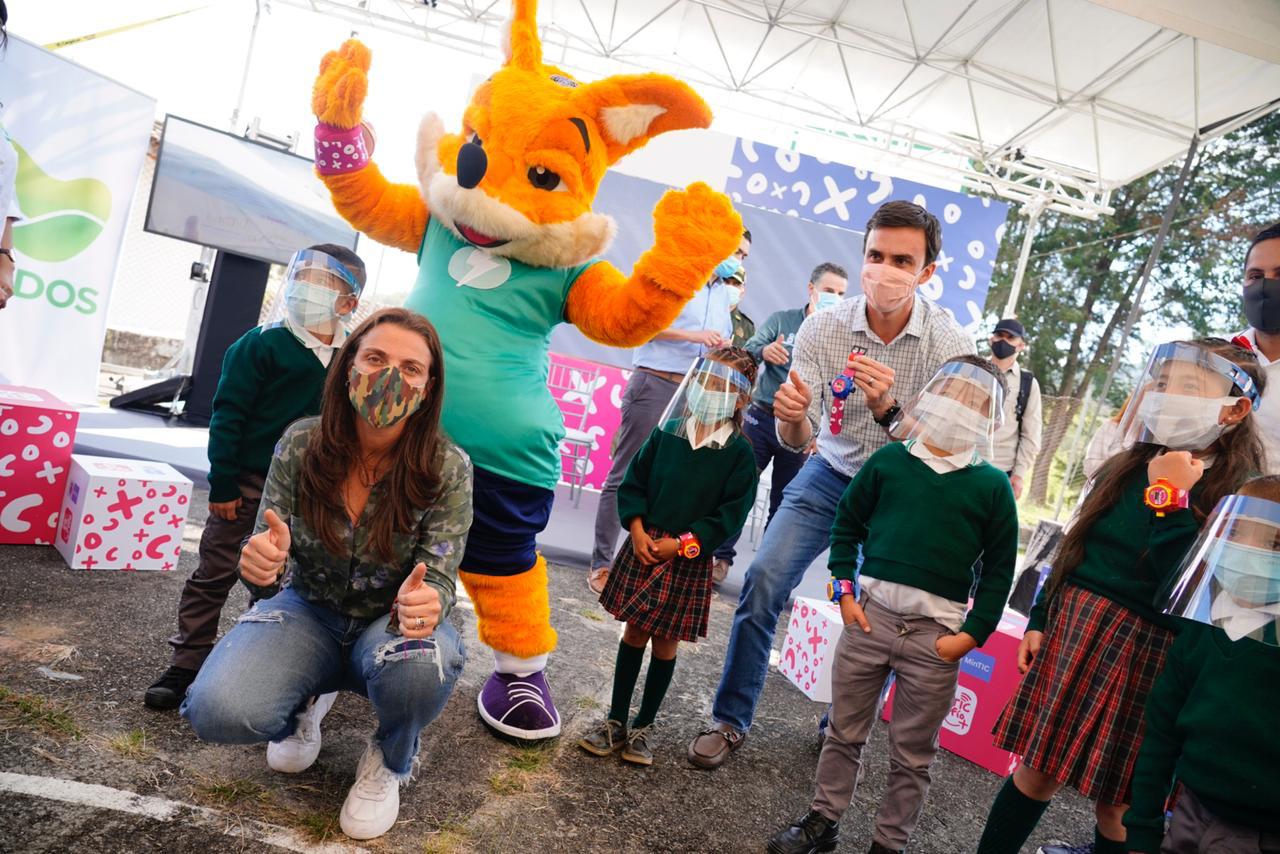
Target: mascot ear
{"points": [[631, 109], [520, 43]]}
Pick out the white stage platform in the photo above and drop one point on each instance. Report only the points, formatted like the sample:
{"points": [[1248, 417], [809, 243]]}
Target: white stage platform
{"points": [[567, 540]]}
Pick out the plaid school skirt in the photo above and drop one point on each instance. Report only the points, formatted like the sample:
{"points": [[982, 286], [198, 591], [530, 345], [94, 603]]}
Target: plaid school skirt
{"points": [[667, 600], [1077, 716]]}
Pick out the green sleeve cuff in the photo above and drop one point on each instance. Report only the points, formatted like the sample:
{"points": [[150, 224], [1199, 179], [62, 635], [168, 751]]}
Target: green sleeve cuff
{"points": [[979, 628], [1144, 839], [223, 488]]}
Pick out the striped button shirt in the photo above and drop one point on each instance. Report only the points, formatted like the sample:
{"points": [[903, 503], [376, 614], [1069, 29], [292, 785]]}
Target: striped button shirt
{"points": [[822, 347]]}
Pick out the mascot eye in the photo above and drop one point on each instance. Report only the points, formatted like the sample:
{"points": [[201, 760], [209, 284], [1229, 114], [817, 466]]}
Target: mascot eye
{"points": [[544, 179]]}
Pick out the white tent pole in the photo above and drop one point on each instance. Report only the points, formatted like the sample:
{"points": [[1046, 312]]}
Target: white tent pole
{"points": [[248, 60], [1033, 210], [1135, 310]]}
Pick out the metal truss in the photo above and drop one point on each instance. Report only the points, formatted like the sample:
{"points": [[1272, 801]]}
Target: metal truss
{"points": [[773, 60]]}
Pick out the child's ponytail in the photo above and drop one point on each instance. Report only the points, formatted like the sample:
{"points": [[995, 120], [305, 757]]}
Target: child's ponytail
{"points": [[1237, 456]]}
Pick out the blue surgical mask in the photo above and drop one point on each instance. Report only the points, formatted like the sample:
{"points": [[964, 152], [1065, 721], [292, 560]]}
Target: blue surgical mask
{"points": [[1249, 573], [728, 267], [827, 300], [711, 407]]}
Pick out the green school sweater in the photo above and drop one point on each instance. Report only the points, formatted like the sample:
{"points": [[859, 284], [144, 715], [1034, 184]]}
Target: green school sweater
{"points": [[924, 529], [708, 491], [1211, 723], [1129, 553], [269, 380]]}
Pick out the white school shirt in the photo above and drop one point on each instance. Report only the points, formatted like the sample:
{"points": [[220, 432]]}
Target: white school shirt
{"points": [[1268, 413], [324, 352], [903, 598]]}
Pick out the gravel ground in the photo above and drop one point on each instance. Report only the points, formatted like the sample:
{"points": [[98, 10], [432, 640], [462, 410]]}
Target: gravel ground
{"points": [[473, 793]]}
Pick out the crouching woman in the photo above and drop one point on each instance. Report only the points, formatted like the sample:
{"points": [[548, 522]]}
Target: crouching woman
{"points": [[355, 555]]}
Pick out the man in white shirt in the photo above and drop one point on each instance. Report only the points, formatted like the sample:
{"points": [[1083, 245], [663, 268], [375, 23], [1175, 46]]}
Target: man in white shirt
{"points": [[1017, 441], [1261, 295]]}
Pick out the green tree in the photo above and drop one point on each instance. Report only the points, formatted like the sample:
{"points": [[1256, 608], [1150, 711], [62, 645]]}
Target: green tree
{"points": [[1082, 276]]}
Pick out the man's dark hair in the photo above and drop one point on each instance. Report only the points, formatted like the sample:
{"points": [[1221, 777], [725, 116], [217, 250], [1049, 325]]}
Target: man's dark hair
{"points": [[986, 365], [900, 214], [1266, 486], [1271, 232], [349, 259], [746, 232], [824, 268]]}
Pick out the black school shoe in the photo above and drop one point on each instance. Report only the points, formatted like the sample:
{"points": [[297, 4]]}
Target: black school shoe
{"points": [[166, 693], [877, 848], [810, 835]]}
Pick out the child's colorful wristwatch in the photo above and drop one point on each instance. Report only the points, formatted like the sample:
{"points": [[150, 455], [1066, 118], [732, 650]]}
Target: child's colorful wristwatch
{"points": [[689, 546], [839, 587], [1163, 496], [841, 387]]}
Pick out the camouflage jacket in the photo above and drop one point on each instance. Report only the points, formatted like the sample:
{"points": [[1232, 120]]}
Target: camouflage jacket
{"points": [[355, 582], [743, 328]]}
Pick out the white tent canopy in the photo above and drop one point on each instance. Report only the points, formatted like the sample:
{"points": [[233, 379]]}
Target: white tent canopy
{"points": [[1055, 102]]}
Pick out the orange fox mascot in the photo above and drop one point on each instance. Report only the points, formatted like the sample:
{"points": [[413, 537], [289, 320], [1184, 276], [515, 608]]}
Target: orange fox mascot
{"points": [[506, 240]]}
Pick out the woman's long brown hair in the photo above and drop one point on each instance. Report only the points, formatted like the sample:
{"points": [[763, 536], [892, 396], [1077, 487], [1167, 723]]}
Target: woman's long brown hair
{"points": [[412, 480], [1238, 456]]}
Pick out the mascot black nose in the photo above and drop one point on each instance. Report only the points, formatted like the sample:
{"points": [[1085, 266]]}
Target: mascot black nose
{"points": [[472, 163]]}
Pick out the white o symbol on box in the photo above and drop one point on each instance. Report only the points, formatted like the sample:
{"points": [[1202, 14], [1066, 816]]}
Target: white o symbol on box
{"points": [[8, 427], [31, 452], [61, 440]]}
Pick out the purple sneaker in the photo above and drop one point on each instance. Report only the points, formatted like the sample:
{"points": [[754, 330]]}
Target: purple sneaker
{"points": [[519, 706]]}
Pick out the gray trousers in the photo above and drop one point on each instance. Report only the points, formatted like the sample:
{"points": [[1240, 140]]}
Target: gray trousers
{"points": [[1195, 830], [643, 401], [210, 583], [926, 686]]}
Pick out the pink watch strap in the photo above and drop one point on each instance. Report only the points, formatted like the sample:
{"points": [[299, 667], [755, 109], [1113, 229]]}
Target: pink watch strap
{"points": [[339, 150]]}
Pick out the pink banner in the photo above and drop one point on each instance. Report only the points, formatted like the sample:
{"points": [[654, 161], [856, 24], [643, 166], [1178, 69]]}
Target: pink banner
{"points": [[578, 383]]}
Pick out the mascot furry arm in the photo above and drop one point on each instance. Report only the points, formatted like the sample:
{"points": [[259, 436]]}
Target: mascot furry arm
{"points": [[574, 132]]}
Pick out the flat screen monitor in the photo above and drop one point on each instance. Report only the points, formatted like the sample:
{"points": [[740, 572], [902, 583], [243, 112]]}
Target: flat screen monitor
{"points": [[217, 189]]}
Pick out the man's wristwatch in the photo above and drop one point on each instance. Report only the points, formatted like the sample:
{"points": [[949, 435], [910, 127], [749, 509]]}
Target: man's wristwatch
{"points": [[1162, 496], [837, 588], [889, 414], [689, 546]]}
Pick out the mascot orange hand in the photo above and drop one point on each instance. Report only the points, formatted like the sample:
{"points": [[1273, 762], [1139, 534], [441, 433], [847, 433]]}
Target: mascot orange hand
{"points": [[695, 228], [343, 82]]}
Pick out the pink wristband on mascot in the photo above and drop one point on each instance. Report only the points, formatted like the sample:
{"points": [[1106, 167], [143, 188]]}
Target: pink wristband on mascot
{"points": [[339, 150]]}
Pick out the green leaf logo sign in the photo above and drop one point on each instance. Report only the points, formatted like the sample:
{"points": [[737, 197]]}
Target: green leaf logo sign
{"points": [[61, 217]]}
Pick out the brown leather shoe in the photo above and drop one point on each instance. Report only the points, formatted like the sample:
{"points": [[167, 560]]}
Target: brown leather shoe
{"points": [[597, 579], [719, 571], [713, 746]]}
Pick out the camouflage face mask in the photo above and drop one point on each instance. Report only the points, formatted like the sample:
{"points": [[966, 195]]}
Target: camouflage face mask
{"points": [[383, 398]]}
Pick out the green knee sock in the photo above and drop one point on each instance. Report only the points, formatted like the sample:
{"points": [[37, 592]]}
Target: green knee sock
{"points": [[1012, 818], [655, 688], [626, 670], [1103, 845]]}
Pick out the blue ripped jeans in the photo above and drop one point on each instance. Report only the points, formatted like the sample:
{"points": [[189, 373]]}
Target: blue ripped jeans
{"points": [[285, 650]]}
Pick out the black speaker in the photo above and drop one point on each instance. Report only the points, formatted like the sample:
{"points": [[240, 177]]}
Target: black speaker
{"points": [[231, 309]]}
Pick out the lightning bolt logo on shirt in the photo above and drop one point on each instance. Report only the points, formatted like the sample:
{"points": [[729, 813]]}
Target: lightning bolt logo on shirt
{"points": [[474, 268]]}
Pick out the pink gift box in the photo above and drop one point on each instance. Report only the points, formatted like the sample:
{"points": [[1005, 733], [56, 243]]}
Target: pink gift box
{"points": [[809, 646], [123, 514], [37, 433], [988, 677]]}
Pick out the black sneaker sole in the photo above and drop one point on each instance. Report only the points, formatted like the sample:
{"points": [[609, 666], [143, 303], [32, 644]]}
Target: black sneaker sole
{"points": [[163, 700], [821, 848]]}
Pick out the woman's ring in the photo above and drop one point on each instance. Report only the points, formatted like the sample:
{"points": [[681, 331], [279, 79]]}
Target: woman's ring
{"points": [[422, 624]]}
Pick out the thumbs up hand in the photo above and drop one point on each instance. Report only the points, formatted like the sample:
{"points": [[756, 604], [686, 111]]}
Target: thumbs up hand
{"points": [[418, 605], [775, 352], [791, 403], [264, 556]]}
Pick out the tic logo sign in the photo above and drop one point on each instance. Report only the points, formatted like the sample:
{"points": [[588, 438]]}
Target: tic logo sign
{"points": [[61, 219]]}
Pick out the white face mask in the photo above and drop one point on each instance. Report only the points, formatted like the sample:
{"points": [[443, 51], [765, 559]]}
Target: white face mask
{"points": [[951, 425], [735, 295], [1182, 422], [827, 300], [313, 307]]}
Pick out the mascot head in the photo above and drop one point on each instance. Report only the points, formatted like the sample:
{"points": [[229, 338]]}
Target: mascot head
{"points": [[520, 178]]}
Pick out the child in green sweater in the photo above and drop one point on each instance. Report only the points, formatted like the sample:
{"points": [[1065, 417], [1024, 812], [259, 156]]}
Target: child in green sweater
{"points": [[688, 489], [1211, 716], [1095, 642], [921, 512], [272, 376]]}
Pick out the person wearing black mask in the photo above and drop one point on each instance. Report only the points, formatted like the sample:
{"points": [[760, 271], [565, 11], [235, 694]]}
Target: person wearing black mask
{"points": [[1261, 296], [1017, 439]]}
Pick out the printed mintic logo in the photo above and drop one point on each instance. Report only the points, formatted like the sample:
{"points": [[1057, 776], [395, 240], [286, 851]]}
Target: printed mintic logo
{"points": [[60, 218]]}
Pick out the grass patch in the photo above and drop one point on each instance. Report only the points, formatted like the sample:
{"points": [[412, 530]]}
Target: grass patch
{"points": [[520, 769], [592, 614], [318, 826], [585, 704], [229, 791], [530, 759], [31, 711], [446, 840], [508, 781], [131, 744]]}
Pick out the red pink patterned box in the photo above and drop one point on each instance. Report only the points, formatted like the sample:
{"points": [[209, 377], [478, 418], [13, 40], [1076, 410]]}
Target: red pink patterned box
{"points": [[37, 432]]}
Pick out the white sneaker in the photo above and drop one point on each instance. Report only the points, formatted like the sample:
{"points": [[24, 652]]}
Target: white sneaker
{"points": [[373, 803], [295, 754]]}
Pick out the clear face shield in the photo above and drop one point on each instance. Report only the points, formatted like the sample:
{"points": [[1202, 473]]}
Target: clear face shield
{"points": [[1231, 578], [704, 405], [957, 411], [319, 294], [1183, 397]]}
